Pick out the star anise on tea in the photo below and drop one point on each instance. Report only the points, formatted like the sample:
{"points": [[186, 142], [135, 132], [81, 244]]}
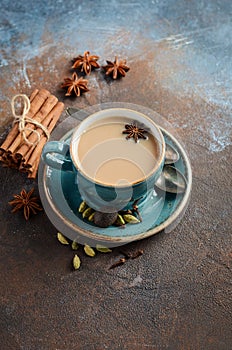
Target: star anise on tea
{"points": [[86, 62], [27, 202], [135, 131], [76, 85], [116, 69]]}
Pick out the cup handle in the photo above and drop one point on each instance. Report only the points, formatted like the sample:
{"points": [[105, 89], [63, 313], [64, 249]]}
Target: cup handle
{"points": [[51, 152]]}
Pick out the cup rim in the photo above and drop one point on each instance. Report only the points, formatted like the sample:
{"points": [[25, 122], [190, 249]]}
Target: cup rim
{"points": [[144, 178]]}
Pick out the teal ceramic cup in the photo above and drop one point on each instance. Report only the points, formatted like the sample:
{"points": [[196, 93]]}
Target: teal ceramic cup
{"points": [[101, 195]]}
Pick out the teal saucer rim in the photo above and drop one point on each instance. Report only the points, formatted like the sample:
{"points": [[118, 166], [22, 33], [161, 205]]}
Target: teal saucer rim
{"points": [[173, 218]]}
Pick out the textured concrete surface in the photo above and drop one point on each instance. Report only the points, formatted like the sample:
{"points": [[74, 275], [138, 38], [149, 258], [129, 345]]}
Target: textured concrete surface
{"points": [[177, 295]]}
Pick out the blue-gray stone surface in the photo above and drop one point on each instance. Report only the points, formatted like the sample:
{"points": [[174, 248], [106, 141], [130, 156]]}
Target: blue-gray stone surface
{"points": [[177, 295]]}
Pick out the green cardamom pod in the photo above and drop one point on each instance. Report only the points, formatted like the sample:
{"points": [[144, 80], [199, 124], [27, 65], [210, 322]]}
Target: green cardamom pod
{"points": [[102, 249], [82, 207], [130, 219], [119, 221], [87, 213], [61, 238], [74, 245], [76, 262], [89, 251], [91, 217]]}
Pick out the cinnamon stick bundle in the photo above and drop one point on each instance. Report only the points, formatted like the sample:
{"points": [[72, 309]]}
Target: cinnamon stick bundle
{"points": [[24, 155]]}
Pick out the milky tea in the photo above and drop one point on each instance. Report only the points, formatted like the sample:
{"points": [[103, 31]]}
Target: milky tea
{"points": [[107, 157]]}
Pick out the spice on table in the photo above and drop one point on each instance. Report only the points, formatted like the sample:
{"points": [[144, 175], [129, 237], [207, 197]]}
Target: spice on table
{"points": [[25, 201], [137, 254], [76, 262], [75, 245], [103, 249], [135, 131], [116, 69], [75, 84], [86, 62], [120, 262], [126, 257], [62, 239], [22, 148], [89, 251]]}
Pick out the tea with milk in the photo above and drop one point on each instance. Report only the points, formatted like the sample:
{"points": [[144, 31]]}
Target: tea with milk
{"points": [[107, 157]]}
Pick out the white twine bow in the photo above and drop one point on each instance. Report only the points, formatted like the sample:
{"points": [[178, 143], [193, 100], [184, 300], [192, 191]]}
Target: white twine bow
{"points": [[22, 119]]}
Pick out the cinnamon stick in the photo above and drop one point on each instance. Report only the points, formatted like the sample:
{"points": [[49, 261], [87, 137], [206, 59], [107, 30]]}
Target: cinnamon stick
{"points": [[33, 94], [32, 175], [49, 122], [37, 98], [39, 117], [53, 117], [8, 161], [15, 152]]}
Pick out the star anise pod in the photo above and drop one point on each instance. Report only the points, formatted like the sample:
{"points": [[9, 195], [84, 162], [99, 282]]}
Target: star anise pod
{"points": [[135, 130], [86, 62], [116, 68], [25, 201], [75, 84]]}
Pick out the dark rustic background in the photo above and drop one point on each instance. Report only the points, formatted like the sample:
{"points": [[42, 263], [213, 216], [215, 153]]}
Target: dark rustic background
{"points": [[177, 295]]}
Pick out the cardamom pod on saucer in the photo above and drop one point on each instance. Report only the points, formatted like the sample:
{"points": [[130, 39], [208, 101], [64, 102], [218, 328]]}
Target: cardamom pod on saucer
{"points": [[87, 213], [82, 207], [130, 219]]}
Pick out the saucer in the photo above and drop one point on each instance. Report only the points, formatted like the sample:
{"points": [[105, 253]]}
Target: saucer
{"points": [[61, 199]]}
